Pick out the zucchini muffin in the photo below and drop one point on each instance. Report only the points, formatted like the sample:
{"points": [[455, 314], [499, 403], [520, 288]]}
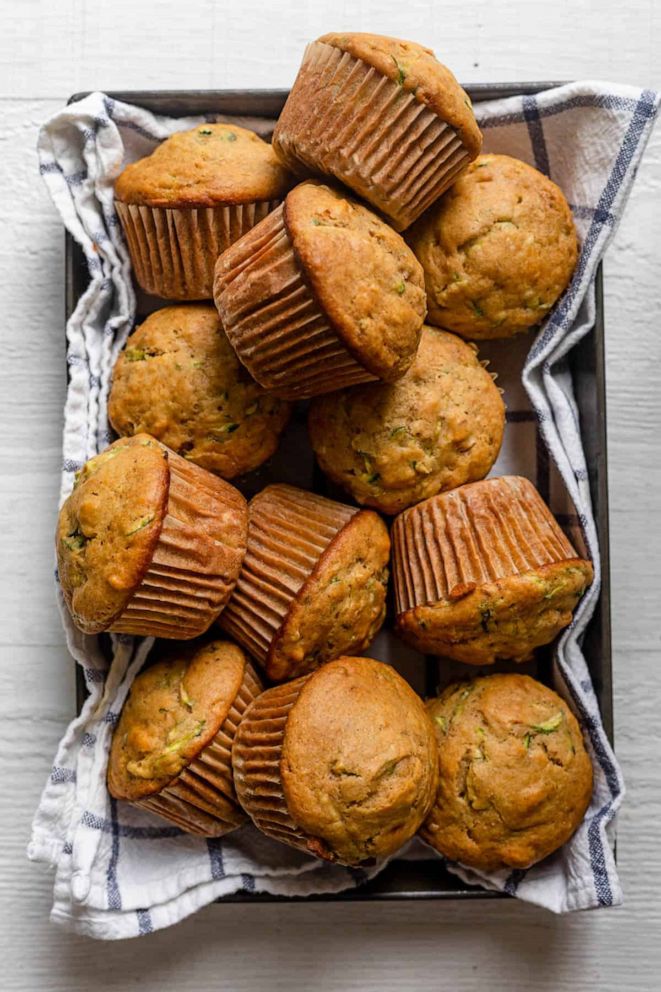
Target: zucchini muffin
{"points": [[171, 751], [341, 763], [313, 583], [515, 778], [392, 445], [484, 572], [188, 201], [383, 116], [320, 295], [179, 380], [148, 543], [498, 249]]}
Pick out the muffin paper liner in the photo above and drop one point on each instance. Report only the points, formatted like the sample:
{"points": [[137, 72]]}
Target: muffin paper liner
{"points": [[288, 532], [473, 535], [193, 570], [256, 758], [273, 320], [345, 119], [202, 800], [174, 249]]}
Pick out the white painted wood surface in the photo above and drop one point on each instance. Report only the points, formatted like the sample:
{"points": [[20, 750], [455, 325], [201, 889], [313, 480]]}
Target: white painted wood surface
{"points": [[49, 50]]}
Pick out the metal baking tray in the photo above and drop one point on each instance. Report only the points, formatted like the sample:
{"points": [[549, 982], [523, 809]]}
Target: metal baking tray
{"points": [[401, 879]]}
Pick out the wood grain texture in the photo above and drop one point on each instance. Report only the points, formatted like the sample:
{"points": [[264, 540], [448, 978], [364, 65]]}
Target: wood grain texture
{"points": [[49, 50]]}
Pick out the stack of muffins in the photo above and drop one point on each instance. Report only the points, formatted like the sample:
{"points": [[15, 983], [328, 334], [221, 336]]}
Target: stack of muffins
{"points": [[305, 270]]}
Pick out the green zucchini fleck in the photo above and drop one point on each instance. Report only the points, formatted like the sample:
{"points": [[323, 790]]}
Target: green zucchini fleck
{"points": [[401, 75], [549, 725], [397, 431], [140, 525], [185, 698], [76, 541], [219, 433], [186, 739], [135, 355]]}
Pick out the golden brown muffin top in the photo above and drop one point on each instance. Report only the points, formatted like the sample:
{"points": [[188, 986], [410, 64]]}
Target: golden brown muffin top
{"points": [[359, 763], [497, 249], [366, 279], [342, 605], [417, 70], [173, 711], [179, 379], [209, 165], [504, 618], [515, 778], [392, 445], [108, 529]]}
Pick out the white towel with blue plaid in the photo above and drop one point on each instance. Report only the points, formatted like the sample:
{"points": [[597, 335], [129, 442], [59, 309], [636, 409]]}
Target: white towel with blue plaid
{"points": [[119, 871]]}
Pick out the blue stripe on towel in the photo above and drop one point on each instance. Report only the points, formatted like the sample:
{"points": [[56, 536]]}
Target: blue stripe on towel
{"points": [[95, 822], [597, 859], [145, 924], [536, 132], [215, 847], [112, 888]]}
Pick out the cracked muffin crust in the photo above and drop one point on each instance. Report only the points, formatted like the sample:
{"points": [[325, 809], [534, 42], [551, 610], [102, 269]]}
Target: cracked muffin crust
{"points": [[515, 778], [392, 445], [179, 380], [171, 749], [342, 763], [498, 249], [484, 572], [148, 543], [208, 165], [321, 294]]}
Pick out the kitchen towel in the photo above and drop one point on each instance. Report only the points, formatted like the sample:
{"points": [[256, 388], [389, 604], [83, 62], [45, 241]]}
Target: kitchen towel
{"points": [[121, 872]]}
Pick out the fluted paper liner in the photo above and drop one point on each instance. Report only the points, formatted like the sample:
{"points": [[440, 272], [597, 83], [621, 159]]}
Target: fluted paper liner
{"points": [[288, 532], [256, 758], [273, 321], [473, 535], [193, 570], [174, 249], [202, 799], [345, 119]]}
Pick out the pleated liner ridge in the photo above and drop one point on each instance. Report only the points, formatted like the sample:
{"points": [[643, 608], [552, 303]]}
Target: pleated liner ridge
{"points": [[197, 559], [288, 532], [345, 119], [256, 758], [454, 542], [202, 799], [273, 320], [174, 249]]}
